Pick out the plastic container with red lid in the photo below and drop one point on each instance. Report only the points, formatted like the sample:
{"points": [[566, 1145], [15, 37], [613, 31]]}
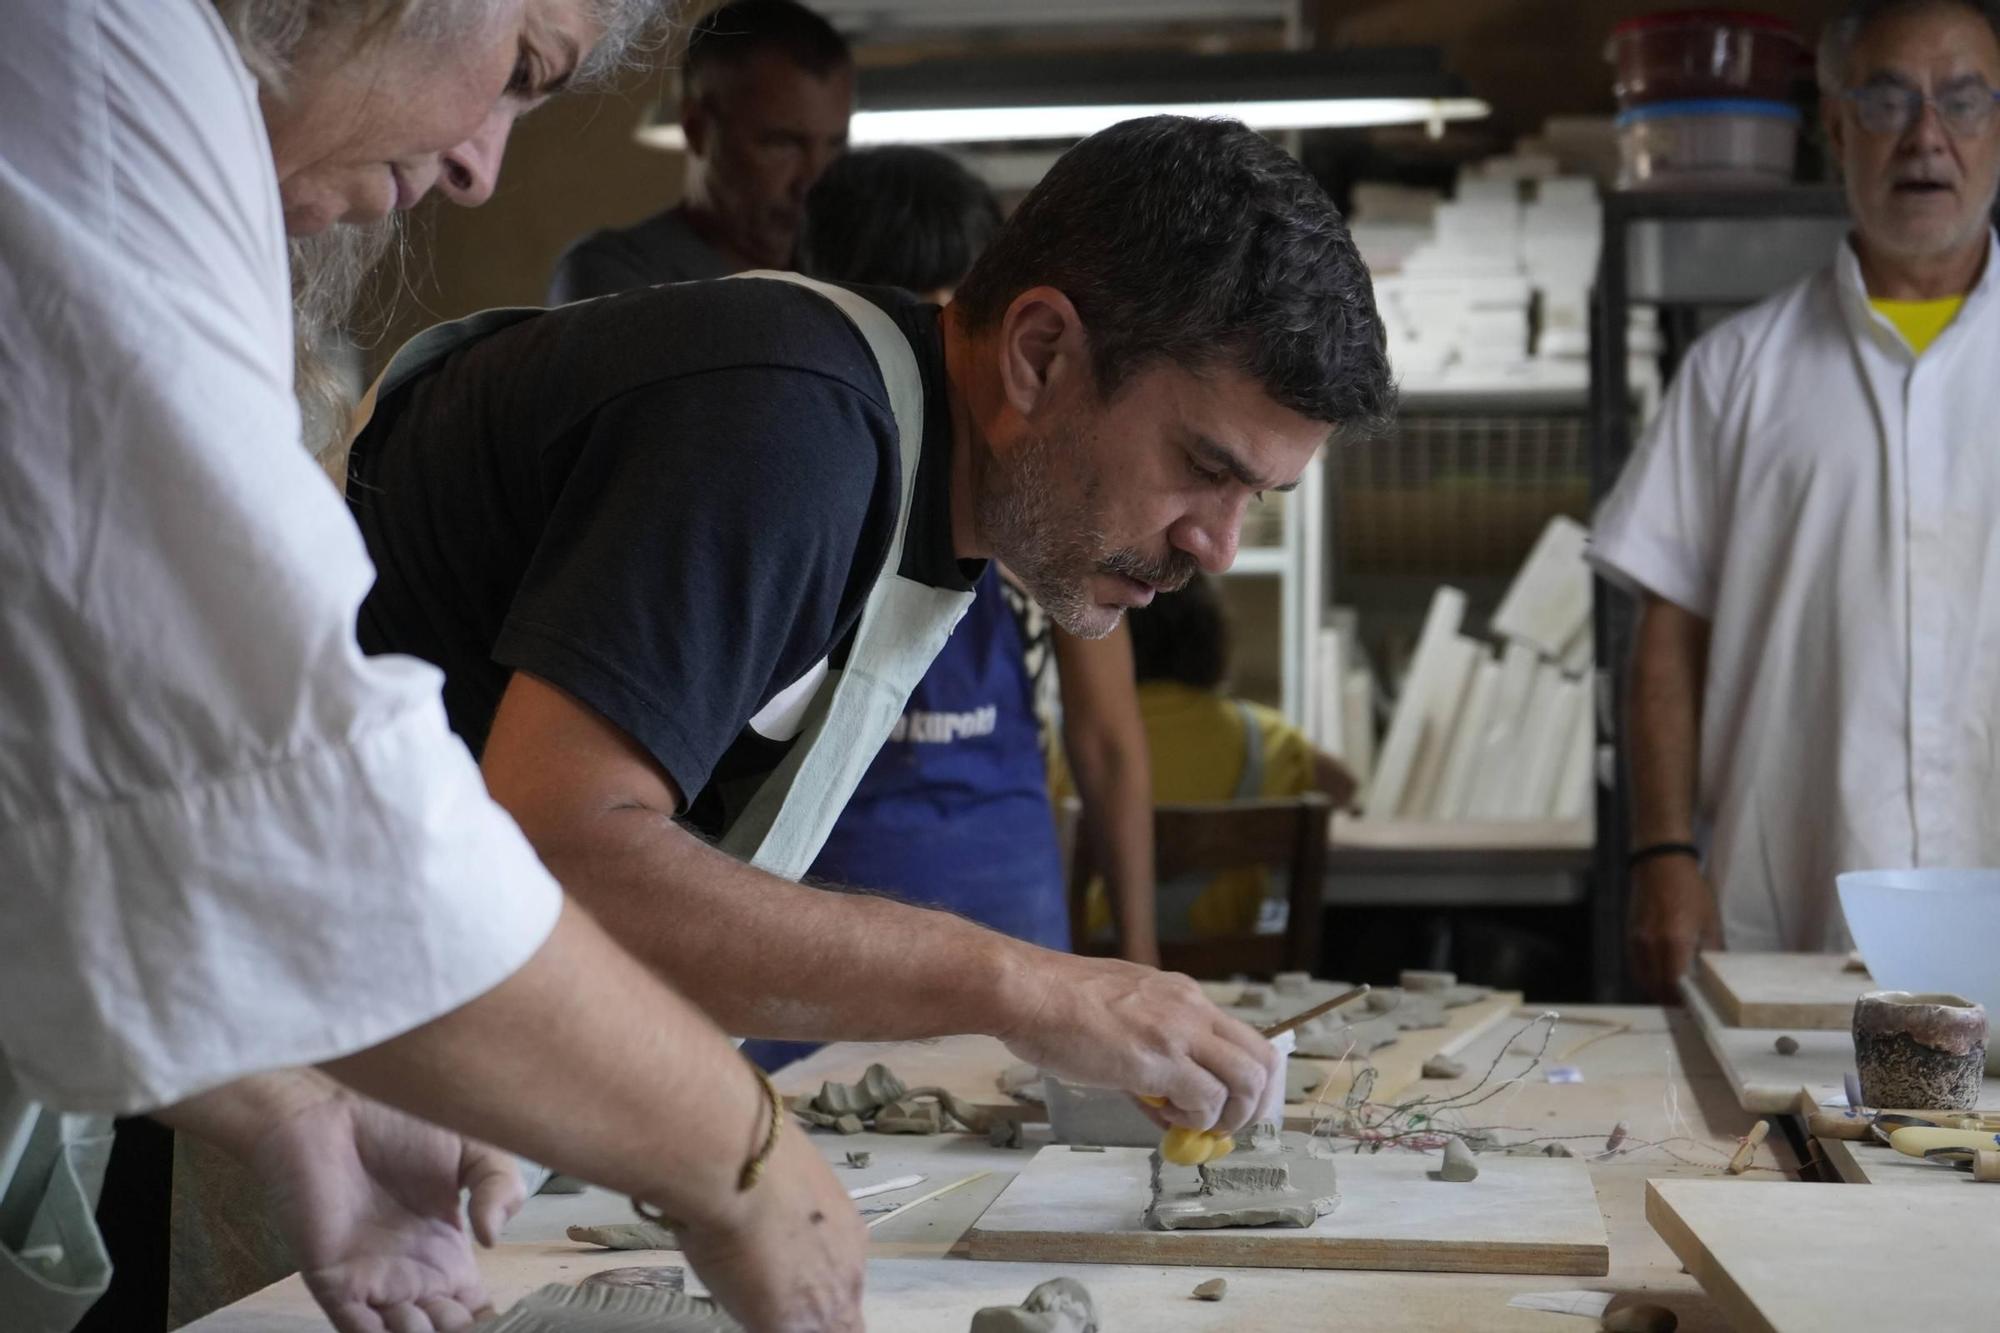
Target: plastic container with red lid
{"points": [[1691, 54]]}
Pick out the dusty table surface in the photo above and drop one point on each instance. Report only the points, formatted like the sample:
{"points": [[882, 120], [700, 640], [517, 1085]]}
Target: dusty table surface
{"points": [[1646, 1067]]}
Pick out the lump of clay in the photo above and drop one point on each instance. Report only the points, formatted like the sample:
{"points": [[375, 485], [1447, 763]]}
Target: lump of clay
{"points": [[1786, 1046], [1292, 983], [1443, 1066], [664, 1277], [1640, 1319], [1418, 980], [1459, 1165], [1280, 1185], [1060, 1305], [559, 1308], [877, 1087], [1212, 1290], [1004, 1133], [860, 1160], [910, 1117], [626, 1236]]}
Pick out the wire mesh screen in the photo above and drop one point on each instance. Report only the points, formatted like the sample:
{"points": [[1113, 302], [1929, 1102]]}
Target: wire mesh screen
{"points": [[1456, 496]]}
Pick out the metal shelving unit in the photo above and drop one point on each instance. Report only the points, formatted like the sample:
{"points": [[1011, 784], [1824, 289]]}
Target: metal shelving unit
{"points": [[1695, 257]]}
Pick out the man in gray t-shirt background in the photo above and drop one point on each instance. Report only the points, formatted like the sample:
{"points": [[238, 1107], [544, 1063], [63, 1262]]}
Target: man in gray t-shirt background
{"points": [[767, 89]]}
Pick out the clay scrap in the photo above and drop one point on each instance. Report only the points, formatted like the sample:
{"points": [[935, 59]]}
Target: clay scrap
{"points": [[1060, 1305], [1459, 1165], [1212, 1290], [1280, 1181], [1443, 1066], [881, 1101], [626, 1236], [559, 1308]]}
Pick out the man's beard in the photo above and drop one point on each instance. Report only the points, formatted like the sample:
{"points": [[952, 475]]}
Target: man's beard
{"points": [[1046, 526]]}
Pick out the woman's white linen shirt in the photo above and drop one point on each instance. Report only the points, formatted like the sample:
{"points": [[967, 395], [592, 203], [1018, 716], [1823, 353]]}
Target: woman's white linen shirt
{"points": [[228, 841]]}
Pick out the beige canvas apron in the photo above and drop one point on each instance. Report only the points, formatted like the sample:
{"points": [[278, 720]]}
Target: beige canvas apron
{"points": [[903, 624], [53, 1266]]}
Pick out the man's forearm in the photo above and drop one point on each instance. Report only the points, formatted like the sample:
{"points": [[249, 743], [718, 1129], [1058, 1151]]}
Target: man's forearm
{"points": [[236, 1115], [1664, 720], [765, 957]]}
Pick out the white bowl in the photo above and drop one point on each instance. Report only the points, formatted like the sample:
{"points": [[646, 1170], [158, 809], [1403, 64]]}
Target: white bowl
{"points": [[1930, 930]]}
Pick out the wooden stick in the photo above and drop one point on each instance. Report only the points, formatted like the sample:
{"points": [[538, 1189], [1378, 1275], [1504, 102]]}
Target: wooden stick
{"points": [[874, 1222], [1299, 1020], [1748, 1152]]}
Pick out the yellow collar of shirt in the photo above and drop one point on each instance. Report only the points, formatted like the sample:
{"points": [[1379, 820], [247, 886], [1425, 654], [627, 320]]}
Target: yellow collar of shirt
{"points": [[1920, 322]]}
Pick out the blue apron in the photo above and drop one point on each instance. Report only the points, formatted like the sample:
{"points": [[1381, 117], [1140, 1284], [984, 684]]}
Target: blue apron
{"points": [[954, 810]]}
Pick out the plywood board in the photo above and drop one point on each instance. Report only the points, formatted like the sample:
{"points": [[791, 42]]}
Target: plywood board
{"points": [[1400, 1064], [1522, 1215], [1785, 1257], [1813, 991], [1763, 1080]]}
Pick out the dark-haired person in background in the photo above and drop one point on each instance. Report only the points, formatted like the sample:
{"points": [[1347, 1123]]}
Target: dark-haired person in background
{"points": [[954, 812], [767, 88], [1207, 745], [682, 553]]}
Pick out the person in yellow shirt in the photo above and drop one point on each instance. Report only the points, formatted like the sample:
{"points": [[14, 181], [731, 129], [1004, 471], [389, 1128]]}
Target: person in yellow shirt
{"points": [[1207, 745]]}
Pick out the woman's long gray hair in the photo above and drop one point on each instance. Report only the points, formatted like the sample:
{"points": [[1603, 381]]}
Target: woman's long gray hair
{"points": [[329, 270]]}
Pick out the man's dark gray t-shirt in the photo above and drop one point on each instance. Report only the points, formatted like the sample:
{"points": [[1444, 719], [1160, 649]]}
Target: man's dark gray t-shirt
{"points": [[663, 248], [669, 504]]}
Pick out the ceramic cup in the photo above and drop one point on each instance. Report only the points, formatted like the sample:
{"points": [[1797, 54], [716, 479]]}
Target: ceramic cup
{"points": [[1922, 1052]]}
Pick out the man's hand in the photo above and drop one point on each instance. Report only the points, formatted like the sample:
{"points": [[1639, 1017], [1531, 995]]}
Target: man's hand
{"points": [[1107, 1023], [369, 1199], [1673, 915], [791, 1260]]}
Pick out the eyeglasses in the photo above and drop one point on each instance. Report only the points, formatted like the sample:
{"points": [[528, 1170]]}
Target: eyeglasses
{"points": [[1887, 108]]}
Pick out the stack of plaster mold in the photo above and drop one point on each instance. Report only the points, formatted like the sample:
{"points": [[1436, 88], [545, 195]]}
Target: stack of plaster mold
{"points": [[880, 1101], [1277, 1180]]}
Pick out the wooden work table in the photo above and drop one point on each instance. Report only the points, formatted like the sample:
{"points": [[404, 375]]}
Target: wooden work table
{"points": [[1644, 1066]]}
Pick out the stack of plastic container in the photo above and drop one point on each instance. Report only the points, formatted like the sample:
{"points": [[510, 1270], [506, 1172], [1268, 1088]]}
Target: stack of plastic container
{"points": [[1704, 99]]}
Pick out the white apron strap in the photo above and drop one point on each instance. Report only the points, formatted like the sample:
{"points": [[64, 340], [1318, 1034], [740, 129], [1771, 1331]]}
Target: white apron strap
{"points": [[53, 1265], [903, 627]]}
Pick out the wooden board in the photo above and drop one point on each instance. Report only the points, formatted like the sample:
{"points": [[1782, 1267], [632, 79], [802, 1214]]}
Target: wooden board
{"points": [[1763, 1080], [1784, 1257], [1401, 1063], [1523, 1215], [1812, 991]]}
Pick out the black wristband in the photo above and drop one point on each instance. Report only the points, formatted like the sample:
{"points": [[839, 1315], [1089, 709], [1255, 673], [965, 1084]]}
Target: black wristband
{"points": [[1660, 849]]}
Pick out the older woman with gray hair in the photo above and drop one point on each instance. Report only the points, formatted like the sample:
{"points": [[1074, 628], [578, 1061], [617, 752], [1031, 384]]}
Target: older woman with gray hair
{"points": [[234, 851]]}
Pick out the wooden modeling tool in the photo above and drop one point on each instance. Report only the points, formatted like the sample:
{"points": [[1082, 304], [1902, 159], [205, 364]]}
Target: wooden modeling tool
{"points": [[1300, 1020], [1747, 1152], [1918, 1140]]}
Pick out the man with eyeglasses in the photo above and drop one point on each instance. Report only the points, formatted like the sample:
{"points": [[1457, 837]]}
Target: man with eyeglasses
{"points": [[1813, 526]]}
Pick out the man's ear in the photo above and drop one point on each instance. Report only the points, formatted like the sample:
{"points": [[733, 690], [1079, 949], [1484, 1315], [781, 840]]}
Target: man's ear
{"points": [[696, 122], [1043, 349]]}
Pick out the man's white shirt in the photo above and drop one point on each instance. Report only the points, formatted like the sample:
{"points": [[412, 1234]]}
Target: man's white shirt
{"points": [[1830, 502]]}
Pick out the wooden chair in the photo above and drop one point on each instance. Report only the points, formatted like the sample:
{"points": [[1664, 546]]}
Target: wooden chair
{"points": [[1288, 836]]}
